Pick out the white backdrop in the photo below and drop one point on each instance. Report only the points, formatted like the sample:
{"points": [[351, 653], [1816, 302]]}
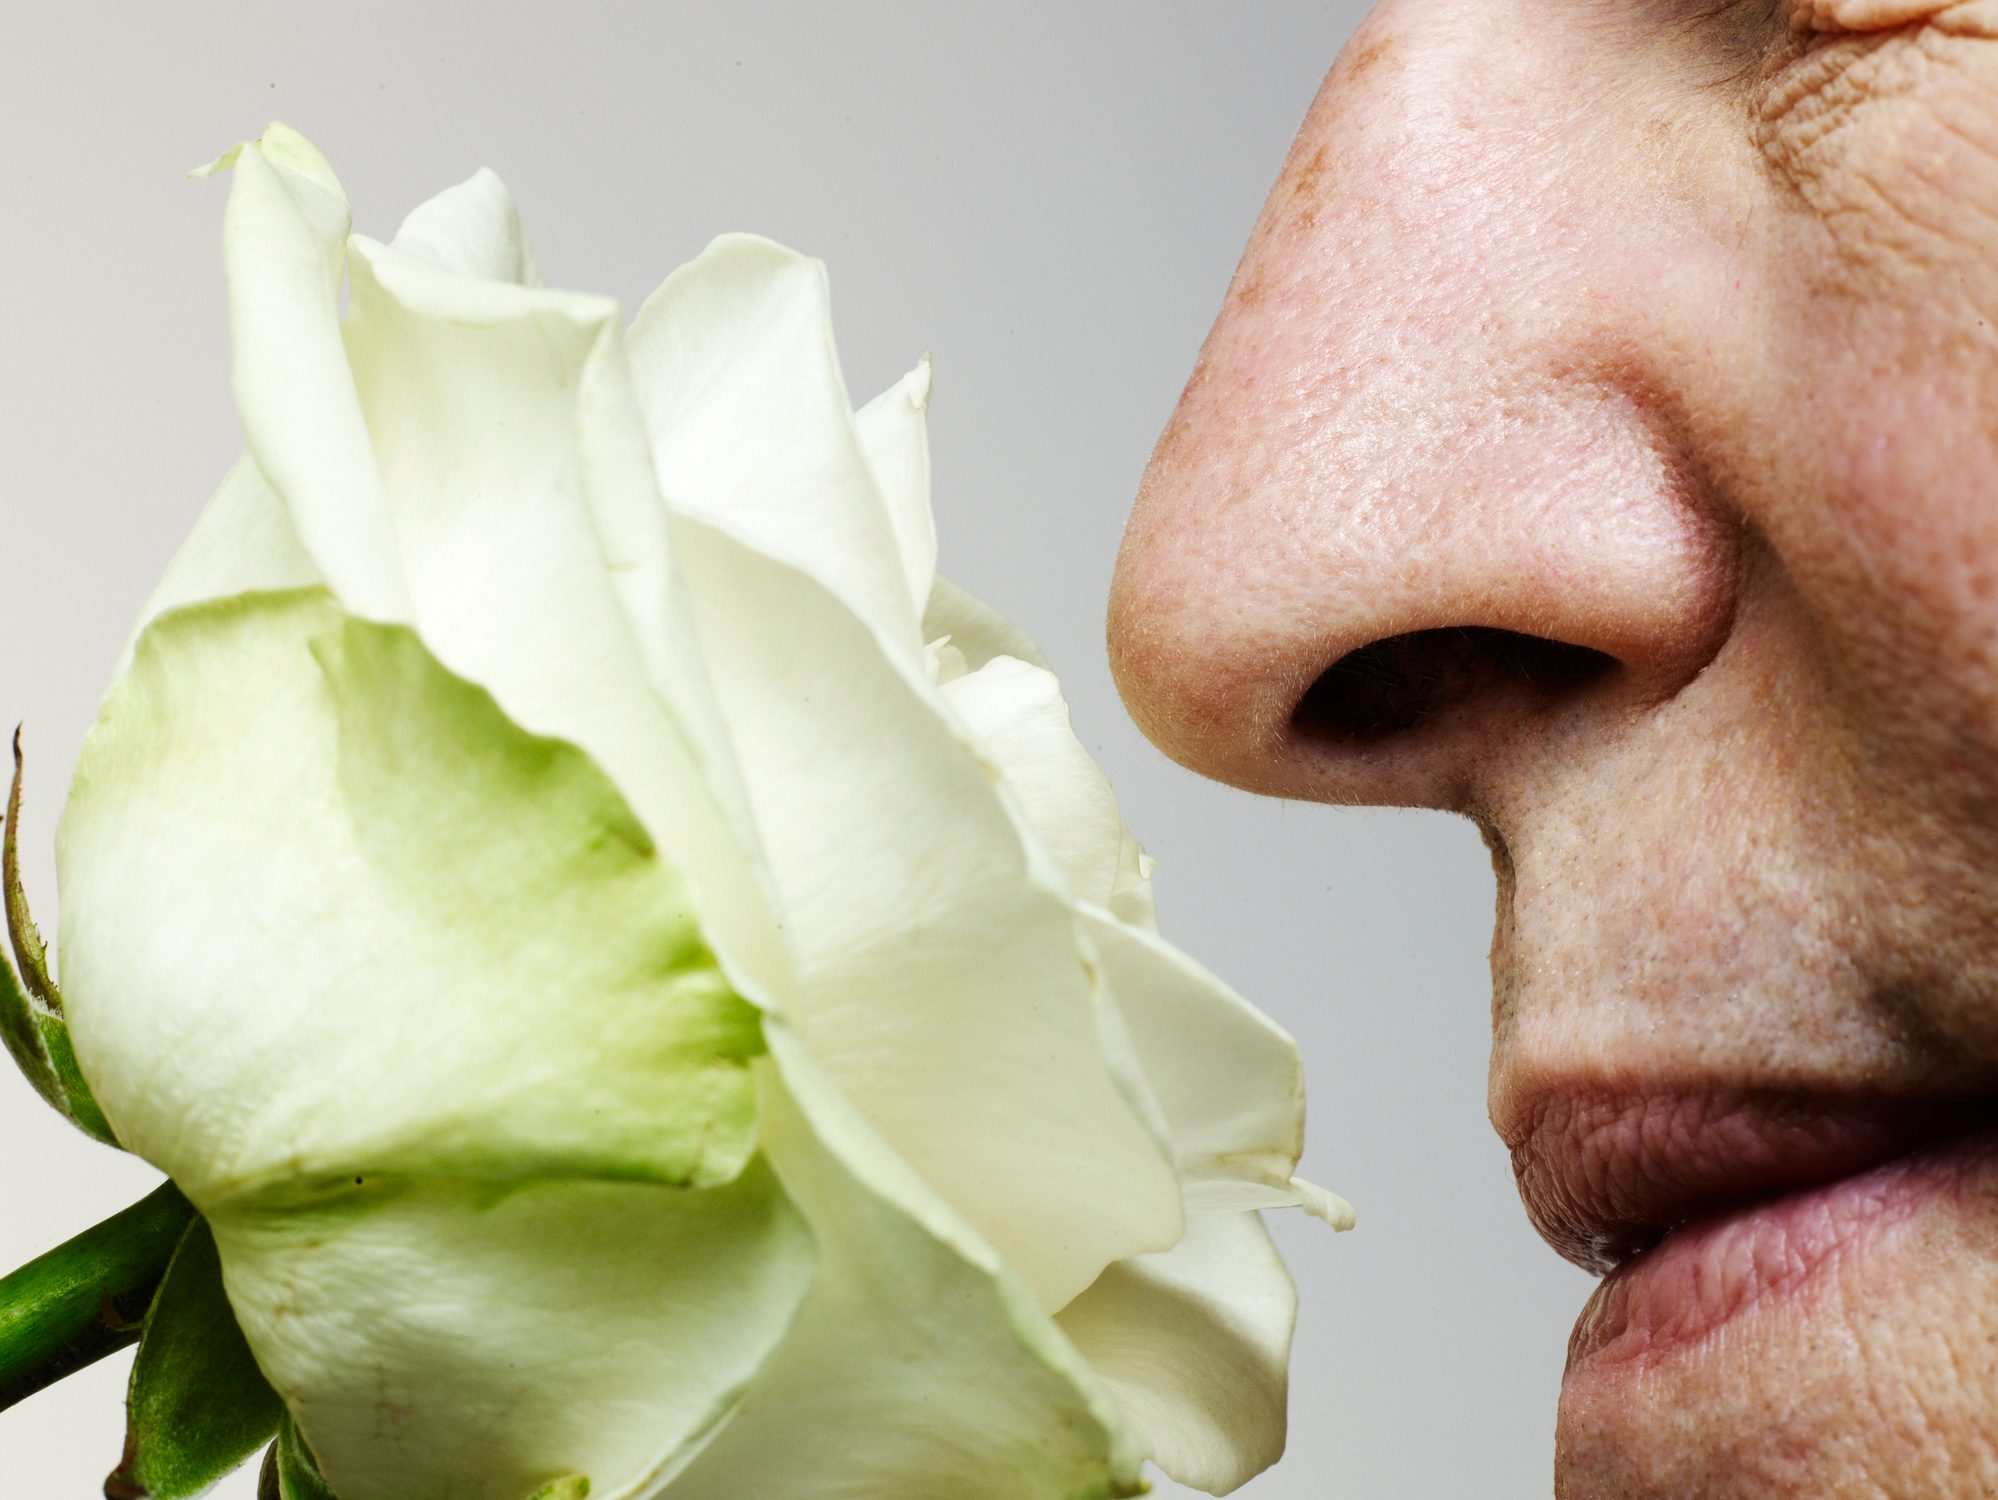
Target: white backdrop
{"points": [[1047, 196]]}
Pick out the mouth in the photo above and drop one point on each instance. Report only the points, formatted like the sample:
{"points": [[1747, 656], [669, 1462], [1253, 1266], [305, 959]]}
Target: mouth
{"points": [[1696, 1206]]}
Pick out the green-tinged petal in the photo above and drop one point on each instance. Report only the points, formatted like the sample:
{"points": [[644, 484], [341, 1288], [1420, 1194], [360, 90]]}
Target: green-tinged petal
{"points": [[534, 542], [895, 436], [439, 1075], [244, 540], [919, 1366], [752, 427], [568, 1487], [284, 242], [975, 628], [197, 1407], [1195, 1346], [1228, 1078], [476, 1341], [472, 229], [944, 985], [327, 913], [1019, 720]]}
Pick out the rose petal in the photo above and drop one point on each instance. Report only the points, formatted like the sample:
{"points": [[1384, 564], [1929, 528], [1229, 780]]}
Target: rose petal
{"points": [[1019, 720], [283, 239], [943, 984], [735, 366], [1195, 1346], [473, 230], [1227, 1078], [895, 435], [978, 630], [452, 1338], [919, 1366], [243, 540], [327, 913]]}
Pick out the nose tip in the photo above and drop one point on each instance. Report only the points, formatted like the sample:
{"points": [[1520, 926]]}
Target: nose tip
{"points": [[1366, 628]]}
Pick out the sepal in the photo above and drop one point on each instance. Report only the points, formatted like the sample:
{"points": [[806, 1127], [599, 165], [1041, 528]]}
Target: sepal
{"points": [[198, 1407], [31, 1017], [290, 1470]]}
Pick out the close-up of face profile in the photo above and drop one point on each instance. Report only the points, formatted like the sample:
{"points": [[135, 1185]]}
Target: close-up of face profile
{"points": [[1600, 440], [1006, 750]]}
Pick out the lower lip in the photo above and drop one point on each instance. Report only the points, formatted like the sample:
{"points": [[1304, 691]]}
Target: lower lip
{"points": [[1713, 1273]]}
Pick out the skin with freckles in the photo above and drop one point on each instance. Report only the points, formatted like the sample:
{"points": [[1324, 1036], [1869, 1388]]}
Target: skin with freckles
{"points": [[1600, 439]]}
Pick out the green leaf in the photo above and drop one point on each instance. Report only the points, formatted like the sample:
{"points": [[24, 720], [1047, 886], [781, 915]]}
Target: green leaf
{"points": [[31, 1018], [198, 1405], [569, 1487], [86, 1298], [290, 1471]]}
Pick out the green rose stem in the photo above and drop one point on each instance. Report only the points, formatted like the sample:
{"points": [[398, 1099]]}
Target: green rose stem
{"points": [[87, 1297]]}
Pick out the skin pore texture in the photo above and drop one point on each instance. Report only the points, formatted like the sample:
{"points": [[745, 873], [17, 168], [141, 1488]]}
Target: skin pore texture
{"points": [[1600, 439]]}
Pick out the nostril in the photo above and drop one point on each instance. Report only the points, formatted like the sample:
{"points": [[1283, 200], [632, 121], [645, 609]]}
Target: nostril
{"points": [[1411, 682]]}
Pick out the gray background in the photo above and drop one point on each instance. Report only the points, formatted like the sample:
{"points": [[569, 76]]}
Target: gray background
{"points": [[1049, 197]]}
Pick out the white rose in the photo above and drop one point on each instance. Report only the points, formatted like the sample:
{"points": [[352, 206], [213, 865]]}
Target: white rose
{"points": [[637, 973]]}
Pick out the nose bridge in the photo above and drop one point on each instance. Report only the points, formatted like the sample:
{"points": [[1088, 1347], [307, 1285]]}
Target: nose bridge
{"points": [[1418, 411]]}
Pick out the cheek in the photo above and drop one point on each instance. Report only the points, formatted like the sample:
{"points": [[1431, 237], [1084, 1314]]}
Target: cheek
{"points": [[1892, 542], [1912, 489], [1874, 410]]}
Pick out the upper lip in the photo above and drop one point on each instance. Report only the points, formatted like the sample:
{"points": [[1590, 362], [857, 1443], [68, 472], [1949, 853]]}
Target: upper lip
{"points": [[1606, 1173]]}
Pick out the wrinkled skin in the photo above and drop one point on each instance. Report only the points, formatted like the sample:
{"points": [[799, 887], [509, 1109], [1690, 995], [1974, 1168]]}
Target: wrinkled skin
{"points": [[1663, 330]]}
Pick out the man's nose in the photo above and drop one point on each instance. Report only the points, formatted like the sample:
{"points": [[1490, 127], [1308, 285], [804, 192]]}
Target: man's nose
{"points": [[1429, 489]]}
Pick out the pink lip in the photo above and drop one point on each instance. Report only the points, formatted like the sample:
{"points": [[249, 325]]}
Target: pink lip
{"points": [[1707, 1274], [1606, 1175]]}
